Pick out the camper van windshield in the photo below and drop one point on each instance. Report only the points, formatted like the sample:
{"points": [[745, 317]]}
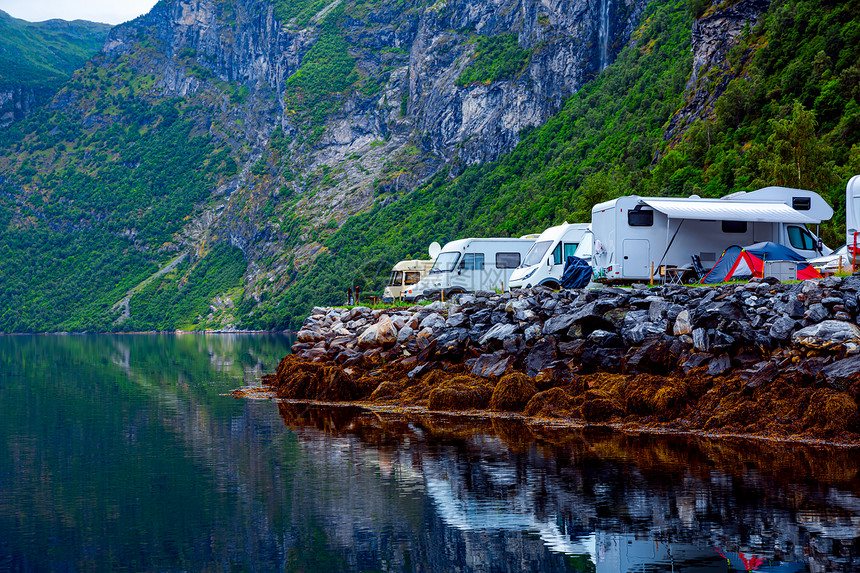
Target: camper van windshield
{"points": [[536, 253], [445, 262]]}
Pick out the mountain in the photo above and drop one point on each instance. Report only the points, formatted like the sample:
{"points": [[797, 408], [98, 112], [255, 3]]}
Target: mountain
{"points": [[36, 59], [231, 164]]}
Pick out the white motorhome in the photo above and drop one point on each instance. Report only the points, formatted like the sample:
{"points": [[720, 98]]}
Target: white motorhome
{"points": [[403, 275], [467, 265], [852, 212], [634, 236], [544, 263]]}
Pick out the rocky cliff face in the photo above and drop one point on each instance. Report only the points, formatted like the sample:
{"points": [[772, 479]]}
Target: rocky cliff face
{"points": [[392, 122], [720, 29]]}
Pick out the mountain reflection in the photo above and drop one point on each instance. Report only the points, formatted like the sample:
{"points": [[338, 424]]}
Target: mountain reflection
{"points": [[602, 500], [123, 453]]}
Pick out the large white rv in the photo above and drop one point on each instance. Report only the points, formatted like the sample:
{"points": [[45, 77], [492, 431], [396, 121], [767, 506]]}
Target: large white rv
{"points": [[852, 212], [467, 265], [634, 236], [544, 263], [403, 275]]}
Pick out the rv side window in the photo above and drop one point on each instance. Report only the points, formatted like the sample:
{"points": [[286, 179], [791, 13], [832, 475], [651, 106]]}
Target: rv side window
{"points": [[734, 226], [801, 203], [570, 250], [472, 262], [556, 255], [640, 218], [507, 260], [396, 278], [800, 238], [412, 277]]}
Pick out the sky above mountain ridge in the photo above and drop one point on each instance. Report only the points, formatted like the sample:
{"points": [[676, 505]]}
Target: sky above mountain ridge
{"points": [[107, 11]]}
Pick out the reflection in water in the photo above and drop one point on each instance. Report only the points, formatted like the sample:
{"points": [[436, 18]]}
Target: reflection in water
{"points": [[613, 502], [122, 453]]}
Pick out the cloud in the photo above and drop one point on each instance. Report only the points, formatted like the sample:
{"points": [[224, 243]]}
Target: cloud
{"points": [[109, 11]]}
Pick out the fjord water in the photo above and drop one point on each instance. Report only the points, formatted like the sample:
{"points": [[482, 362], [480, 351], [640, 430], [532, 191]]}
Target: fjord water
{"points": [[123, 453]]}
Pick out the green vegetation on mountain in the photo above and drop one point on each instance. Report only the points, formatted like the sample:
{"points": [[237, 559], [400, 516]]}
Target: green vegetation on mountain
{"points": [[180, 299], [67, 257], [795, 94], [41, 56], [496, 58]]}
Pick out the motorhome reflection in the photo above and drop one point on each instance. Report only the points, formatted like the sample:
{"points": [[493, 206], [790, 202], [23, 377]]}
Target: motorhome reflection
{"points": [[467, 265], [634, 236]]}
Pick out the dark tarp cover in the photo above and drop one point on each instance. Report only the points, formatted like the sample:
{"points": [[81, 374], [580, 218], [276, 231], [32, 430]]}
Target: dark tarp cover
{"points": [[577, 273]]}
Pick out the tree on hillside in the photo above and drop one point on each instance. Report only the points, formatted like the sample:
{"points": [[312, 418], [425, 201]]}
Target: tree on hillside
{"points": [[794, 156]]}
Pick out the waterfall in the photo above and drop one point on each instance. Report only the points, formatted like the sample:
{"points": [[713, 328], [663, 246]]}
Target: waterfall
{"points": [[603, 32]]}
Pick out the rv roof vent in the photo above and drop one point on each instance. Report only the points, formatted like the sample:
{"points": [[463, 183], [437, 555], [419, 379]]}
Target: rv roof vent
{"points": [[694, 196]]}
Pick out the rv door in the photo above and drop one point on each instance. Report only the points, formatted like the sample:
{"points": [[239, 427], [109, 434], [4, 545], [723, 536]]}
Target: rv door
{"points": [[636, 258]]}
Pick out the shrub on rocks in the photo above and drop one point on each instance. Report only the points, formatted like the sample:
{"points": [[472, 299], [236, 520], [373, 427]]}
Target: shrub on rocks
{"points": [[512, 392]]}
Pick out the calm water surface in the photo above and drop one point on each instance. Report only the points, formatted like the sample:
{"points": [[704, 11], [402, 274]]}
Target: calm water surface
{"points": [[122, 453]]}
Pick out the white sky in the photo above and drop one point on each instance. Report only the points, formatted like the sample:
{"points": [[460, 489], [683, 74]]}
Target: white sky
{"points": [[108, 11]]}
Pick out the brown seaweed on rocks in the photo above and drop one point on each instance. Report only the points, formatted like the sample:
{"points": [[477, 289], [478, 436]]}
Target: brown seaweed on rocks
{"points": [[512, 392]]}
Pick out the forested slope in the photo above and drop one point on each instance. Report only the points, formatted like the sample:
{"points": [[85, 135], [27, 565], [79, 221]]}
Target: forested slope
{"points": [[36, 59]]}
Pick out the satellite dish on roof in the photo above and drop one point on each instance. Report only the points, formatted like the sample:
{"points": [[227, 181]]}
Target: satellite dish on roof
{"points": [[435, 249]]}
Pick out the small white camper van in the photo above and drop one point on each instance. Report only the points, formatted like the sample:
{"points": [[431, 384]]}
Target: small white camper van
{"points": [[634, 236], [467, 265], [403, 275], [544, 263]]}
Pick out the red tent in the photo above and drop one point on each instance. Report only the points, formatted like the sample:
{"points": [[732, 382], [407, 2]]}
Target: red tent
{"points": [[747, 262]]}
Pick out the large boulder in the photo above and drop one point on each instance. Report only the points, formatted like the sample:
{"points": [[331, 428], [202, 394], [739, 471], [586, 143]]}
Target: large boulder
{"points": [[826, 335], [493, 364], [382, 334], [541, 356]]}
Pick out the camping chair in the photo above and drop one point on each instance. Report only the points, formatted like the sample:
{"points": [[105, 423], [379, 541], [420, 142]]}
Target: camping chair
{"points": [[698, 268]]}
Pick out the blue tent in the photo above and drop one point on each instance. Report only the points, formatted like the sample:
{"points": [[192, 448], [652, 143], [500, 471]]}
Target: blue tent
{"points": [[747, 262], [577, 273]]}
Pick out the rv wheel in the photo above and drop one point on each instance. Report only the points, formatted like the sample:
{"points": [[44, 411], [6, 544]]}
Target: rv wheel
{"points": [[551, 285]]}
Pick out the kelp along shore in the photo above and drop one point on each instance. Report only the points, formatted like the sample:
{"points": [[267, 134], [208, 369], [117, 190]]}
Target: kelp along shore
{"points": [[760, 359]]}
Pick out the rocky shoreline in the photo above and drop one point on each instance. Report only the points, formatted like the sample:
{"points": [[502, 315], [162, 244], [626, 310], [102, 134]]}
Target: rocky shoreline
{"points": [[760, 359]]}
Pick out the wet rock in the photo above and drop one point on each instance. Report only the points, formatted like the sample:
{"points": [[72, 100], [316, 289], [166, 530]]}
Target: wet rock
{"points": [[605, 339], [719, 365], [795, 308], [759, 374], [816, 313], [701, 340], [424, 337], [382, 334], [532, 333], [696, 360], [601, 359], [541, 356], [493, 364], [451, 343], [657, 309], [457, 319], [432, 320], [842, 373], [682, 324], [306, 336], [497, 335], [405, 335], [655, 356], [827, 335], [637, 334], [514, 344], [782, 328]]}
